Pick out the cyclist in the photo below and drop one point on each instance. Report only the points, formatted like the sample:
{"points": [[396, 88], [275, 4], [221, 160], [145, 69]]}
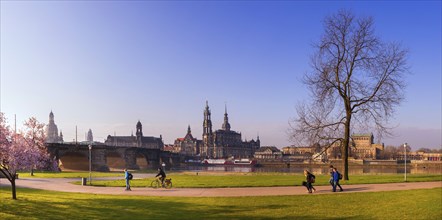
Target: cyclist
{"points": [[162, 174]]}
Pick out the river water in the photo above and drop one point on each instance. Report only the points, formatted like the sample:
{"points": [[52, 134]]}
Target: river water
{"points": [[318, 169]]}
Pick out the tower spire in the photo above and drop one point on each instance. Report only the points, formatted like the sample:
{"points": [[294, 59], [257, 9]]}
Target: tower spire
{"points": [[207, 124], [139, 129], [207, 150], [226, 125]]}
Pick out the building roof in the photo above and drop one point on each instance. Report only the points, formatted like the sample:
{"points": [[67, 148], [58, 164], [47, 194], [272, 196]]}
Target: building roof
{"points": [[131, 139], [220, 131], [362, 135], [265, 148], [168, 147]]}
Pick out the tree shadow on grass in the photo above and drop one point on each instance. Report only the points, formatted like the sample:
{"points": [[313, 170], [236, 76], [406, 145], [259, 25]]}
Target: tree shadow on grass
{"points": [[356, 189], [39, 204]]}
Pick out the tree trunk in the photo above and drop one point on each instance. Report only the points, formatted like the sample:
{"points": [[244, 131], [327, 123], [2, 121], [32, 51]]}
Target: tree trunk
{"points": [[11, 178], [14, 192], [346, 143]]}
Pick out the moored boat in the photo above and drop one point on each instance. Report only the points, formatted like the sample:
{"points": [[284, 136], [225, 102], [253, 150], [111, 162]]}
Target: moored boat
{"points": [[244, 162], [228, 162]]}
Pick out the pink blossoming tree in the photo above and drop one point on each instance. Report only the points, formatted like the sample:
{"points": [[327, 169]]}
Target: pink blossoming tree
{"points": [[21, 151]]}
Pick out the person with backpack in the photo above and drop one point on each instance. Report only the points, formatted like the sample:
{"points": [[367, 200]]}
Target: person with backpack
{"points": [[310, 178], [128, 176], [336, 177], [331, 175]]}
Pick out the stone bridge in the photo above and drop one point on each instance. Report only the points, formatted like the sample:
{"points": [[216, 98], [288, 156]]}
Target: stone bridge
{"points": [[75, 156]]}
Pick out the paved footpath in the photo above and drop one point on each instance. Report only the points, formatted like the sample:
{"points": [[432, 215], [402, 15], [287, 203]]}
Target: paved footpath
{"points": [[64, 185]]}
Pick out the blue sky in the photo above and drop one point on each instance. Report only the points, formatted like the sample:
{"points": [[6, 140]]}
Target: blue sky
{"points": [[105, 65]]}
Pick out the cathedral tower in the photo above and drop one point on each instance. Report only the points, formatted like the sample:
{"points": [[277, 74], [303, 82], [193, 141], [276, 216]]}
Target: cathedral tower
{"points": [[139, 132], [189, 132], [207, 124], [52, 131], [226, 125], [90, 137], [207, 133]]}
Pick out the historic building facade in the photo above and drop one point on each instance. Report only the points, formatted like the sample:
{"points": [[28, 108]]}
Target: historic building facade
{"points": [[420, 156], [300, 154], [135, 141], [224, 143], [292, 150], [362, 147], [188, 145], [52, 131], [268, 153]]}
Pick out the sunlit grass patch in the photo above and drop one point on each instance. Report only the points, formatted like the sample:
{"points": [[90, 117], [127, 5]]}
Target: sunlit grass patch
{"points": [[39, 204], [189, 180]]}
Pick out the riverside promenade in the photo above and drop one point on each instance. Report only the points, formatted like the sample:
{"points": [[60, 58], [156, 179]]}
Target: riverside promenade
{"points": [[65, 185]]}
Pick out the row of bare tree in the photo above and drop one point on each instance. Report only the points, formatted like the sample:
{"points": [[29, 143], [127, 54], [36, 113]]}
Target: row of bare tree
{"points": [[392, 152]]}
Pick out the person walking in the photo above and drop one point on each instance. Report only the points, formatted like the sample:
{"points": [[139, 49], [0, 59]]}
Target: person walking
{"points": [[310, 178], [336, 177], [331, 175], [127, 177]]}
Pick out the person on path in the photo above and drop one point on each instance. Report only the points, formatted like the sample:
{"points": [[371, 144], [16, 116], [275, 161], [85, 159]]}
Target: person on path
{"points": [[336, 176], [126, 176], [331, 175], [162, 174], [310, 178]]}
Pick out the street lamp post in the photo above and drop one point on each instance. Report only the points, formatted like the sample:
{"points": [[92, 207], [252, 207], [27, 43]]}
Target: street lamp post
{"points": [[405, 151], [90, 164]]}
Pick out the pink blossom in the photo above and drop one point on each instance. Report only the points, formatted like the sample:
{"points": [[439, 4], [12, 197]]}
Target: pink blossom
{"points": [[24, 150]]}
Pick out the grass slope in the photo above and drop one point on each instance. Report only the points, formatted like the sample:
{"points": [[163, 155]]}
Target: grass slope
{"points": [[67, 174], [38, 204], [255, 180]]}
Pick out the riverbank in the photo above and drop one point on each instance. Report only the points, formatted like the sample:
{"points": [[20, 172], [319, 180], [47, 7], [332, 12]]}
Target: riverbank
{"points": [[401, 204], [321, 168], [65, 185]]}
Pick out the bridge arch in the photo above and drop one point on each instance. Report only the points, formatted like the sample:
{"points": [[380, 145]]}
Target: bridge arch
{"points": [[142, 161], [115, 160], [71, 160]]}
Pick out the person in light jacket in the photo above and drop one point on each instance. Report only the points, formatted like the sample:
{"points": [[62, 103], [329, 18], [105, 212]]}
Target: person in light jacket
{"points": [[126, 176]]}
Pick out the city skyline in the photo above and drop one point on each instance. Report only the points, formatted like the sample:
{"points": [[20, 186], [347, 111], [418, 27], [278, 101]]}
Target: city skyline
{"points": [[105, 65]]}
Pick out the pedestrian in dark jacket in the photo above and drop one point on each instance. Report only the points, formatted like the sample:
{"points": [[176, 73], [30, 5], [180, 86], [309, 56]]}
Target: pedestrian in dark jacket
{"points": [[309, 179], [162, 174], [336, 176]]}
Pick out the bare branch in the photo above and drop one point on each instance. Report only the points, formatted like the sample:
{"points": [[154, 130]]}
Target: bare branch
{"points": [[356, 82]]}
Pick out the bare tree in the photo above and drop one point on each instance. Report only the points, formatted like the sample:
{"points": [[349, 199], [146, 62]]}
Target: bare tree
{"points": [[425, 150], [390, 153], [356, 82]]}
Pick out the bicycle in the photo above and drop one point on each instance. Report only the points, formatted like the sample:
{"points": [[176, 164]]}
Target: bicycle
{"points": [[157, 183]]}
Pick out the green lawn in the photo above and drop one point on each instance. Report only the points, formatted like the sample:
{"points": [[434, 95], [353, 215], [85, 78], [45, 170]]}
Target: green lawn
{"points": [[263, 179], [38, 204], [67, 174]]}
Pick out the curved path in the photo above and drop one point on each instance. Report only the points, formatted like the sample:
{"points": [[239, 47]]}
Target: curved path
{"points": [[64, 185]]}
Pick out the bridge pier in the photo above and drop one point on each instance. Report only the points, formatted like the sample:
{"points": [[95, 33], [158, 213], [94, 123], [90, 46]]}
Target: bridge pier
{"points": [[75, 156], [99, 160], [130, 157]]}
